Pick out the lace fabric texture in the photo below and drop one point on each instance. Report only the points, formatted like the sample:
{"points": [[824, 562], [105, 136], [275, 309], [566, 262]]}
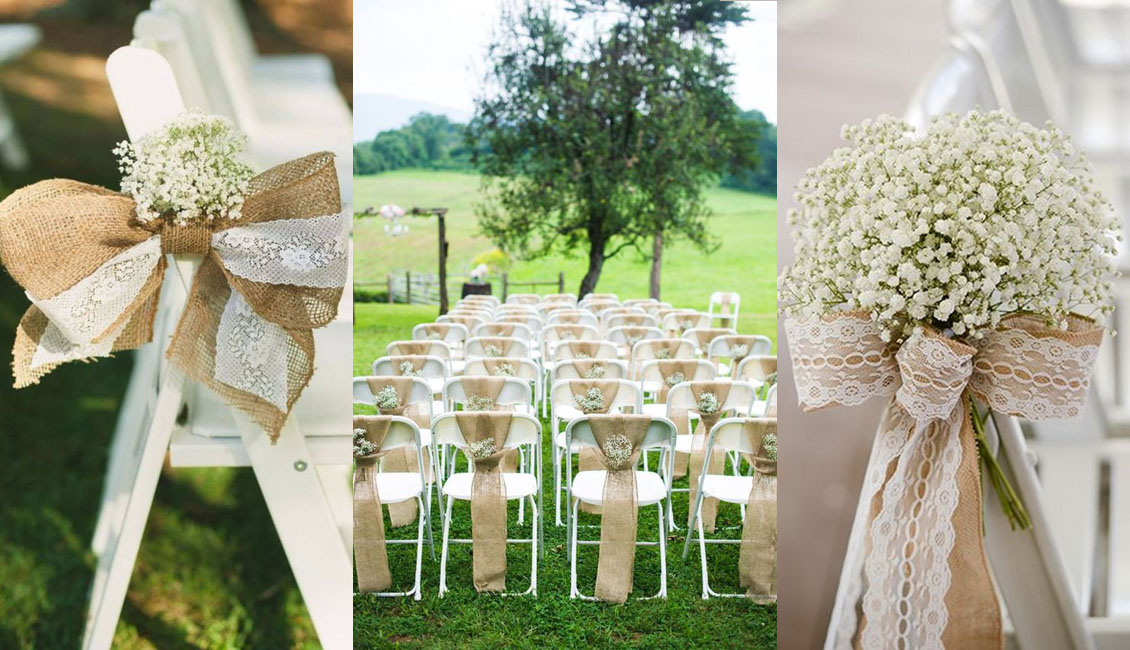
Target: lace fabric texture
{"points": [[303, 252], [251, 352], [897, 570]]}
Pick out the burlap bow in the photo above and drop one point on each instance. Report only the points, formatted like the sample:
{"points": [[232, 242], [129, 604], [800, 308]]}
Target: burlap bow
{"points": [[370, 553], [918, 527], [94, 272], [488, 495], [706, 421], [757, 558], [404, 458], [618, 439]]}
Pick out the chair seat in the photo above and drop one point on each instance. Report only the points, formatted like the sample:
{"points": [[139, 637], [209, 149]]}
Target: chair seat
{"points": [[588, 486], [394, 487], [517, 485], [655, 410], [566, 413], [683, 443], [559, 440], [731, 489]]}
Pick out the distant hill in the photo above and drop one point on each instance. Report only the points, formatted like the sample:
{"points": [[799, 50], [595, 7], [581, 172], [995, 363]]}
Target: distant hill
{"points": [[374, 112]]}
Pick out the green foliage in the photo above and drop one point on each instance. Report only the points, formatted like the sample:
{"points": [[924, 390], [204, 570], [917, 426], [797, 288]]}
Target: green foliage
{"points": [[428, 141], [762, 177], [600, 143], [496, 260]]}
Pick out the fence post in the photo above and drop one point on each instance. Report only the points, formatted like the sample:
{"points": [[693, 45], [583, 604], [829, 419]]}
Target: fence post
{"points": [[505, 285], [560, 282], [390, 289], [408, 287]]}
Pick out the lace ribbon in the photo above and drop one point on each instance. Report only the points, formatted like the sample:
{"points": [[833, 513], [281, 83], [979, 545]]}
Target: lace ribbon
{"points": [[93, 274], [915, 568]]}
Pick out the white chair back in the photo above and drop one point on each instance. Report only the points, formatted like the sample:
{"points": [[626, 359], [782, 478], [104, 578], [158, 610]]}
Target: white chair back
{"points": [[435, 348], [421, 393], [628, 395], [524, 368], [524, 430], [451, 333], [660, 435], [433, 368], [508, 346], [573, 317], [729, 435], [756, 368], [724, 306], [651, 379], [566, 298], [468, 321], [515, 392], [703, 336], [679, 321], [523, 299], [723, 347], [495, 329], [636, 319], [613, 369], [531, 321], [630, 336], [566, 350], [739, 400], [402, 432]]}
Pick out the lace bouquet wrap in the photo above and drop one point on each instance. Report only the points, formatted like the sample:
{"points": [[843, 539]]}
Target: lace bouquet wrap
{"points": [[941, 270], [273, 266]]}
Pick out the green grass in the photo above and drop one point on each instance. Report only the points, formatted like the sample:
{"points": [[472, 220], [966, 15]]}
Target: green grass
{"points": [[746, 262], [465, 619]]}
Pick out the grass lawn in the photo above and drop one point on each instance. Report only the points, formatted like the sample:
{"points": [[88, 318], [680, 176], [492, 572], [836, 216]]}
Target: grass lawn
{"points": [[746, 262], [464, 619]]}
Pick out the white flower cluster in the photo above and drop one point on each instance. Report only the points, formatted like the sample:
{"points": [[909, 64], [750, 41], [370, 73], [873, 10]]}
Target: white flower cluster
{"points": [[503, 370], [769, 445], [739, 351], [582, 355], [979, 217], [387, 399], [663, 353], [408, 370], [434, 336], [595, 372], [771, 379], [482, 449], [361, 445], [592, 400], [480, 403], [492, 350], [708, 404], [617, 451], [188, 170], [674, 378], [632, 340]]}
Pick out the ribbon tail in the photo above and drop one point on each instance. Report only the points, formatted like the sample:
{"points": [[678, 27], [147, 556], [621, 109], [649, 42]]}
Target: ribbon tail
{"points": [[369, 550]]}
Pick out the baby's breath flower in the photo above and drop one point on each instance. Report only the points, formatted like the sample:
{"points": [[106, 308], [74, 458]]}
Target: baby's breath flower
{"points": [[387, 399], [708, 404], [567, 335], [408, 370], [482, 449], [492, 350], [592, 400], [479, 403], [187, 171], [674, 378], [617, 451], [663, 353], [739, 351], [980, 217], [503, 370], [632, 340], [434, 336], [769, 445], [771, 379], [361, 445], [595, 372], [582, 355]]}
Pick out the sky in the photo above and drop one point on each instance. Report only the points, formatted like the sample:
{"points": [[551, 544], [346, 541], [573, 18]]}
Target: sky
{"points": [[431, 52]]}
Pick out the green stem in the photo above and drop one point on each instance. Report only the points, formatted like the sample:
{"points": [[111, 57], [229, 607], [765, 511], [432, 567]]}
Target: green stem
{"points": [[1011, 502]]}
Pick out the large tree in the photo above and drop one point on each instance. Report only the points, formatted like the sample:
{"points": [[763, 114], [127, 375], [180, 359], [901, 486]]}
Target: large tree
{"points": [[601, 131]]}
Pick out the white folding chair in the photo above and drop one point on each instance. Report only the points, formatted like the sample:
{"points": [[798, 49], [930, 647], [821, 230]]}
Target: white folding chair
{"points": [[635, 319], [613, 369], [420, 395], [651, 380], [563, 409], [469, 322], [525, 369], [727, 436], [724, 306], [652, 488], [702, 337], [434, 370], [573, 317], [525, 431], [676, 322], [303, 477], [435, 348], [453, 334], [398, 487], [523, 299], [722, 348], [648, 350], [495, 329], [626, 337], [515, 394], [497, 346]]}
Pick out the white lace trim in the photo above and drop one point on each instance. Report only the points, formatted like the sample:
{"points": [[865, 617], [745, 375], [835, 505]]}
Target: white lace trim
{"points": [[934, 376], [55, 348], [840, 361], [251, 352], [302, 252], [85, 311]]}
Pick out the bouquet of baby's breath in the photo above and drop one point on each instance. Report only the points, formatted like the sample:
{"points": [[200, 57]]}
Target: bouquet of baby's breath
{"points": [[188, 170], [980, 217]]}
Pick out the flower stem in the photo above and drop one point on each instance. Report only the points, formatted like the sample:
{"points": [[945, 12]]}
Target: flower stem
{"points": [[1011, 502]]}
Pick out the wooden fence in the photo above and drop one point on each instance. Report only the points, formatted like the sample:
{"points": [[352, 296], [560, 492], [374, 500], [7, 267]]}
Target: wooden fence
{"points": [[423, 288], [508, 284]]}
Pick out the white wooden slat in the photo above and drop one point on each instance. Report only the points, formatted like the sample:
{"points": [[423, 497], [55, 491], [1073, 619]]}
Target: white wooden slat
{"points": [[1119, 564], [144, 88], [187, 449]]}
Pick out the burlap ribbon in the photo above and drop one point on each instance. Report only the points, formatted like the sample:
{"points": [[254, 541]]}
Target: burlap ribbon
{"points": [[370, 555], [757, 558], [620, 505], [567, 319], [437, 331], [404, 458], [583, 367], [504, 344], [495, 365], [738, 340], [94, 272], [412, 348], [918, 524], [499, 329], [466, 321], [707, 334], [706, 422], [581, 349], [667, 369], [407, 365], [491, 388], [488, 497], [569, 332], [588, 458]]}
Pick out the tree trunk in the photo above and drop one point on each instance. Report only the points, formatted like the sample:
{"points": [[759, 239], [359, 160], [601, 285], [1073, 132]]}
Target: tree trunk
{"points": [[656, 263], [596, 262]]}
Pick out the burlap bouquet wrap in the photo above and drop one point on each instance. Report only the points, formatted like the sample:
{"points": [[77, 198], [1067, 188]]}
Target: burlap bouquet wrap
{"points": [[404, 458], [490, 388], [706, 421], [94, 272], [669, 369], [488, 496], [370, 554], [757, 558], [915, 574], [620, 505], [588, 458]]}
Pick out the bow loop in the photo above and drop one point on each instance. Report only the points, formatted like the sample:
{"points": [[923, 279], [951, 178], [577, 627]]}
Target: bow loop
{"points": [[935, 371], [840, 360]]}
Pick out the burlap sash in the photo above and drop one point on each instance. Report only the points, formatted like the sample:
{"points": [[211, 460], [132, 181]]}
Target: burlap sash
{"points": [[667, 368], [917, 540], [704, 336], [500, 329], [404, 458], [494, 365], [585, 366], [370, 555], [669, 346], [619, 504], [588, 459], [437, 328], [416, 361], [491, 388], [488, 497], [633, 335], [567, 319], [634, 320], [582, 349], [735, 341], [757, 559], [569, 332], [504, 345], [466, 321], [55, 234], [413, 348], [706, 422]]}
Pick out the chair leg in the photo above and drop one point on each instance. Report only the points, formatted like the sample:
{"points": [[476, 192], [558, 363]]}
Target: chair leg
{"points": [[421, 516], [662, 553], [702, 553], [534, 548], [572, 523], [556, 480], [443, 550], [695, 513], [427, 512]]}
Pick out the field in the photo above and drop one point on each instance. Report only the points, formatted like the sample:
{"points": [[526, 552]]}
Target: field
{"points": [[746, 262], [464, 619]]}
